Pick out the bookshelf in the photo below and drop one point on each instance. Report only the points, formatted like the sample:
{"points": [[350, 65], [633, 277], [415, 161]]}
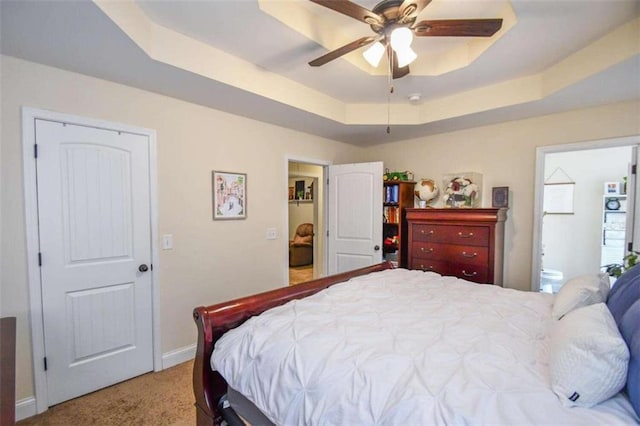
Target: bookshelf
{"points": [[614, 217], [397, 196]]}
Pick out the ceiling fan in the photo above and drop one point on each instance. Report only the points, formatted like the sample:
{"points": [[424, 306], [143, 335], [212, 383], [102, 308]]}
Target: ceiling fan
{"points": [[393, 21]]}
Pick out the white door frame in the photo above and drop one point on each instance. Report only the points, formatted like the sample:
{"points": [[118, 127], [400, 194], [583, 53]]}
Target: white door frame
{"points": [[29, 115], [285, 245], [538, 183]]}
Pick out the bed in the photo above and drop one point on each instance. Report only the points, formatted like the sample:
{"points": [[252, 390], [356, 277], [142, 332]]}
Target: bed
{"points": [[382, 345]]}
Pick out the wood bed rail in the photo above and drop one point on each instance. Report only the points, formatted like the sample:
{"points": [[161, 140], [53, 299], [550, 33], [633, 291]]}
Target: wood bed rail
{"points": [[215, 320]]}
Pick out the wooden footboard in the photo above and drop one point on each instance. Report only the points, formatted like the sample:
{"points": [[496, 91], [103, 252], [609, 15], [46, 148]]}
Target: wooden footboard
{"points": [[213, 321]]}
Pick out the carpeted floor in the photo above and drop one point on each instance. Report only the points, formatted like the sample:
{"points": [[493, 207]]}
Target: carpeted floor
{"points": [[164, 398], [300, 274]]}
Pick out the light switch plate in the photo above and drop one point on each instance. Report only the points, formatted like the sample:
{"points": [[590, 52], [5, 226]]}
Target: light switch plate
{"points": [[272, 234], [167, 242]]}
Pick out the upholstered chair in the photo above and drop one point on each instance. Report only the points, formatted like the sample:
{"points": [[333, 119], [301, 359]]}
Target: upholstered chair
{"points": [[301, 247]]}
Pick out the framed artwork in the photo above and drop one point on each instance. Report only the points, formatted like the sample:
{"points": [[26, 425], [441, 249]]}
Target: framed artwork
{"points": [[229, 195], [299, 190], [500, 196], [612, 188], [558, 198]]}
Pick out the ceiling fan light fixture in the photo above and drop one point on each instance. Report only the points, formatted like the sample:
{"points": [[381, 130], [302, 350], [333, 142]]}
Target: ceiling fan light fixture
{"points": [[374, 54], [401, 38], [405, 56]]}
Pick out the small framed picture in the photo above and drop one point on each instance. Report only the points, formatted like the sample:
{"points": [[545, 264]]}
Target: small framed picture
{"points": [[612, 188], [500, 196], [229, 195]]}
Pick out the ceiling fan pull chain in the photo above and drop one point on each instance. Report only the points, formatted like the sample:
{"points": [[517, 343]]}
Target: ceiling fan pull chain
{"points": [[389, 111]]}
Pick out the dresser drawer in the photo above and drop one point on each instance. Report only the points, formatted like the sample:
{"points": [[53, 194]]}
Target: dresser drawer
{"points": [[451, 234], [430, 265], [475, 273], [471, 255]]}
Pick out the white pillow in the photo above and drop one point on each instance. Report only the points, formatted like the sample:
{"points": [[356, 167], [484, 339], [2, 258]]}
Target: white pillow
{"points": [[588, 357], [580, 291]]}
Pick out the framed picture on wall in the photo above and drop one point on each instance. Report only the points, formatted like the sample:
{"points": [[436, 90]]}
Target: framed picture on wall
{"points": [[229, 195], [558, 198], [299, 190]]}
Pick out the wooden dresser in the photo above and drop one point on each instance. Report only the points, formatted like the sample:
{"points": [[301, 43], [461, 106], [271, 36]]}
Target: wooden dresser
{"points": [[466, 243], [7, 371]]}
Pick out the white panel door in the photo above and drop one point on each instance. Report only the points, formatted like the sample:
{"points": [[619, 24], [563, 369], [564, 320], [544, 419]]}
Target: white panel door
{"points": [[94, 213], [355, 216]]}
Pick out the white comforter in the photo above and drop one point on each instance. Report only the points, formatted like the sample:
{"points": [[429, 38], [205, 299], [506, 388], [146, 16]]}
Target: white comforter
{"points": [[407, 348]]}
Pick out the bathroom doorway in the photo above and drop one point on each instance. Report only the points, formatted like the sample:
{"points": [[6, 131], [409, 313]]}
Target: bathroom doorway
{"points": [[571, 239]]}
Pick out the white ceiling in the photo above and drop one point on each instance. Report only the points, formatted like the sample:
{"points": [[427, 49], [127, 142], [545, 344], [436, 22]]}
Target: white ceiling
{"points": [[234, 56]]}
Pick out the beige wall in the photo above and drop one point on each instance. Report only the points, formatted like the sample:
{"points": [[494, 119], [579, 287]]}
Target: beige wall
{"points": [[505, 155], [205, 266], [211, 260]]}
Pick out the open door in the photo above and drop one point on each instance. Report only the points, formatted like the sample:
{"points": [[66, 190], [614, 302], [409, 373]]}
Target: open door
{"points": [[355, 216]]}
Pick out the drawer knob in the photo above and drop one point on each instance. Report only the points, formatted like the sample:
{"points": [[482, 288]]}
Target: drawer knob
{"points": [[426, 268], [422, 231], [469, 255], [429, 250], [467, 274], [461, 235]]}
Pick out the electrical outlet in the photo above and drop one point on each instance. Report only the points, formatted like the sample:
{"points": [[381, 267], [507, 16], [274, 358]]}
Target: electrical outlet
{"points": [[272, 234]]}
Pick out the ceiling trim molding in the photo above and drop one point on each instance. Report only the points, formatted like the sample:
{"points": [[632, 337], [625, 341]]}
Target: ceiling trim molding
{"points": [[176, 49], [171, 47], [618, 46]]}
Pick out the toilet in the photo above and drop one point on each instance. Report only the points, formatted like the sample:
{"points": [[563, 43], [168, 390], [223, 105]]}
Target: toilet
{"points": [[551, 280]]}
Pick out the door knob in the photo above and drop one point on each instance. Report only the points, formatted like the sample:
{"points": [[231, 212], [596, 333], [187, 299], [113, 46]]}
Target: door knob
{"points": [[376, 248], [143, 268]]}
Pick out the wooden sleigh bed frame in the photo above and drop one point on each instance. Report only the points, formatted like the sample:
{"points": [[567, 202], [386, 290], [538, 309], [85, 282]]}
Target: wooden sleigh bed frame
{"points": [[215, 320]]}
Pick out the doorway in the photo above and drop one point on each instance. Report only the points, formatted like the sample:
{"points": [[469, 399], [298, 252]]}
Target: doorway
{"points": [[570, 238], [90, 209], [305, 220]]}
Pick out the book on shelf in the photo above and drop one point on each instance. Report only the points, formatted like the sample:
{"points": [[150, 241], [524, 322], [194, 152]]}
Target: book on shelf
{"points": [[392, 194], [391, 214]]}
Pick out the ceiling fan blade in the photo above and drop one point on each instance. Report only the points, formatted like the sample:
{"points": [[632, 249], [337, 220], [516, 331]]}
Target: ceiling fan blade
{"points": [[397, 72], [458, 28], [353, 10], [334, 54], [410, 9]]}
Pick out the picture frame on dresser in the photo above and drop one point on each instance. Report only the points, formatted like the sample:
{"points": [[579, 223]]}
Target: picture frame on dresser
{"points": [[500, 196]]}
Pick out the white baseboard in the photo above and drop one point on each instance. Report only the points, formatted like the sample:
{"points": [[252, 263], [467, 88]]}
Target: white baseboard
{"points": [[178, 356], [25, 408]]}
